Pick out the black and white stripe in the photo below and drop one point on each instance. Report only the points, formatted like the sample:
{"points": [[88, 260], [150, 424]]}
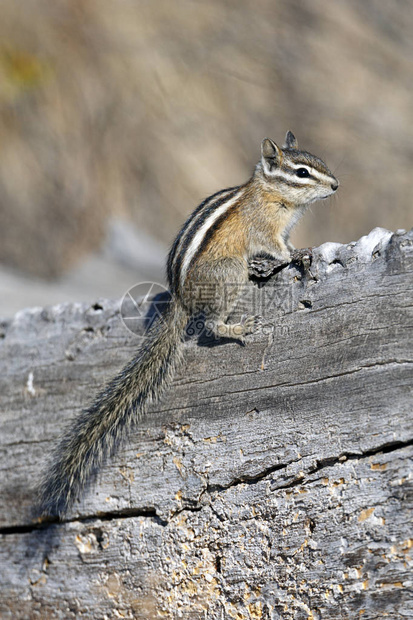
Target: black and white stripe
{"points": [[195, 231], [321, 176], [288, 174]]}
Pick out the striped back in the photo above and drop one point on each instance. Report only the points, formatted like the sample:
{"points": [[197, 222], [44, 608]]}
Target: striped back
{"points": [[194, 231]]}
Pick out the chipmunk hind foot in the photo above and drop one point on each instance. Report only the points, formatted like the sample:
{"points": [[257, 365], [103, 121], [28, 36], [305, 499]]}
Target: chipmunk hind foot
{"points": [[236, 331]]}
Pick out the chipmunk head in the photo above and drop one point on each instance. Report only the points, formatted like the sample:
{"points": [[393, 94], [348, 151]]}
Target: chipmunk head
{"points": [[299, 176]]}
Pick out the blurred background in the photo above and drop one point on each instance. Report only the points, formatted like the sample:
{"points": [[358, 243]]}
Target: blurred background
{"points": [[118, 118]]}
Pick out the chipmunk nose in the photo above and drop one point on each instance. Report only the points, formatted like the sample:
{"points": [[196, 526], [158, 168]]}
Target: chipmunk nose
{"points": [[334, 185]]}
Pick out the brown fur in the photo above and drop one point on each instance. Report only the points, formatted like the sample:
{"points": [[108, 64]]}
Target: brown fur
{"points": [[254, 224]]}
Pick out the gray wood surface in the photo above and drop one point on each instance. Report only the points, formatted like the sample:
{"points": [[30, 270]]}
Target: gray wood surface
{"points": [[273, 481]]}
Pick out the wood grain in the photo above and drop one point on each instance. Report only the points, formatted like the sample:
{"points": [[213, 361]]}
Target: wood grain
{"points": [[273, 481]]}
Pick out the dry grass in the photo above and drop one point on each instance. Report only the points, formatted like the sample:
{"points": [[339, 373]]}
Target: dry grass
{"points": [[143, 108]]}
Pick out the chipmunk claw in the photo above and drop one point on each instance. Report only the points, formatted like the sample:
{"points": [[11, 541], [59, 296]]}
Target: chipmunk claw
{"points": [[250, 324]]}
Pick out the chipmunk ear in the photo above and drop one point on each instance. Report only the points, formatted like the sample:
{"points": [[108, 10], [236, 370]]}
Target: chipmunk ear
{"points": [[290, 141], [271, 155]]}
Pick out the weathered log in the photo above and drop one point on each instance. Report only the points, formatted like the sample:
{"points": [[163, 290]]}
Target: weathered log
{"points": [[273, 481]]}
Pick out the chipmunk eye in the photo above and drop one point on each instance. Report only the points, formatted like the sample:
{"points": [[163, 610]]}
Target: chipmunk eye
{"points": [[302, 172]]}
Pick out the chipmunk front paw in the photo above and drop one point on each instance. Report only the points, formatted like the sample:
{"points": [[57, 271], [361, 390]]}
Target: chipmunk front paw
{"points": [[263, 266]]}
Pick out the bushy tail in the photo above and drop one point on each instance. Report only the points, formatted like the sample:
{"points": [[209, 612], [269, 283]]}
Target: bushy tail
{"points": [[95, 433]]}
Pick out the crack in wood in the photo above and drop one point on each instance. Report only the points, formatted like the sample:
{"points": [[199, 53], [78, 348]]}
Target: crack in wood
{"points": [[316, 381], [98, 516], [150, 513]]}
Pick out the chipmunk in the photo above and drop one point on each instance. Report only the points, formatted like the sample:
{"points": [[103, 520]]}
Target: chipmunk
{"points": [[214, 247]]}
